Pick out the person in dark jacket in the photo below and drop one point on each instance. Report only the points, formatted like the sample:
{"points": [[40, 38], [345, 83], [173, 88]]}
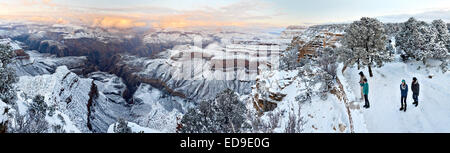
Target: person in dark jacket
{"points": [[366, 93], [404, 93], [361, 83], [415, 89]]}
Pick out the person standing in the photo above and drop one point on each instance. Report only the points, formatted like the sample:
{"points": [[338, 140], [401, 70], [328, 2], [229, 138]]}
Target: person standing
{"points": [[361, 83], [415, 89], [404, 94], [366, 93]]}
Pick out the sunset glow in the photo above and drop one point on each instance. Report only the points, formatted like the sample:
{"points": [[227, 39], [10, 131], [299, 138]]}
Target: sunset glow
{"points": [[192, 13]]}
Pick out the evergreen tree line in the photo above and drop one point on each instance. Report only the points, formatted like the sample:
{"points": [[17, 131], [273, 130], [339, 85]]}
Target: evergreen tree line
{"points": [[367, 43]]}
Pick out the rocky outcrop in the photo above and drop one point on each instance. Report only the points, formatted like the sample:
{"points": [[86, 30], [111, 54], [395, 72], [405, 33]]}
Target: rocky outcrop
{"points": [[157, 109], [79, 98], [53, 47], [93, 95], [157, 72], [32, 63]]}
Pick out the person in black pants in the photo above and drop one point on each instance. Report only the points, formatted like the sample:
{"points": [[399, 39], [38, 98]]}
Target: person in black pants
{"points": [[404, 92], [415, 89], [366, 93]]}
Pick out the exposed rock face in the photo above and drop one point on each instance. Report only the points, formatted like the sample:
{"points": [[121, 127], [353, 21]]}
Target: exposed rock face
{"points": [[142, 89], [38, 64], [53, 47], [293, 31], [157, 109], [99, 51], [157, 72], [111, 86], [107, 54], [80, 98]]}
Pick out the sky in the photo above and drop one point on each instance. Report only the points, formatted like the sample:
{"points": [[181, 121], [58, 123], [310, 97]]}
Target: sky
{"points": [[191, 13]]}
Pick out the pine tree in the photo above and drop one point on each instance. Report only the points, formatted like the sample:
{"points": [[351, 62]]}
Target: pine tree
{"points": [[31, 122], [366, 39], [443, 36], [7, 75], [39, 105], [422, 41], [289, 58], [229, 111], [122, 127], [34, 119], [441, 46], [327, 61]]}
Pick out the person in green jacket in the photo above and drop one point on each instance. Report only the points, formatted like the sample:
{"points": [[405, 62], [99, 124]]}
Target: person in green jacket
{"points": [[366, 93]]}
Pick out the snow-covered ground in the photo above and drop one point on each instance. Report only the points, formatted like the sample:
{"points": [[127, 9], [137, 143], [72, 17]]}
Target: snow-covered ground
{"points": [[432, 114], [71, 96], [318, 116], [334, 114], [156, 109], [3, 115], [135, 128]]}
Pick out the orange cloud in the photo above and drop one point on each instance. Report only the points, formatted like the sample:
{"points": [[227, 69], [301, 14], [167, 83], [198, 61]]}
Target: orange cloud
{"points": [[62, 21], [41, 19], [117, 22], [239, 14], [37, 2], [182, 21]]}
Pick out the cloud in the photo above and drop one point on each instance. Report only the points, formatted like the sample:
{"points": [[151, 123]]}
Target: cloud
{"points": [[117, 22], [427, 16], [37, 2], [182, 21], [241, 13]]}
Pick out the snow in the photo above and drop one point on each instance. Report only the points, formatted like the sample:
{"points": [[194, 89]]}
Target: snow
{"points": [[432, 114], [327, 116], [3, 116], [70, 94], [135, 128], [319, 116], [14, 44], [52, 87], [156, 109], [65, 121], [111, 85], [336, 115], [43, 63]]}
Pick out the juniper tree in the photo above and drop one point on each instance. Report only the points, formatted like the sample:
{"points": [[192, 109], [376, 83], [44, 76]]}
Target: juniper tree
{"points": [[366, 39], [31, 122], [229, 111], [34, 119], [289, 58], [224, 114], [327, 61], [194, 121], [443, 35], [422, 41], [39, 105], [122, 127], [7, 75], [442, 44]]}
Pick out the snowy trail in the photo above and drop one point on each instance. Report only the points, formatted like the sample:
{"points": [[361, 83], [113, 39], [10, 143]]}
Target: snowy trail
{"points": [[352, 93], [432, 115], [347, 105]]}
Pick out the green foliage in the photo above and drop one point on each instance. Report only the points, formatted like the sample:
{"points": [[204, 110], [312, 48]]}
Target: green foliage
{"points": [[122, 127], [224, 114], [7, 75], [365, 44]]}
